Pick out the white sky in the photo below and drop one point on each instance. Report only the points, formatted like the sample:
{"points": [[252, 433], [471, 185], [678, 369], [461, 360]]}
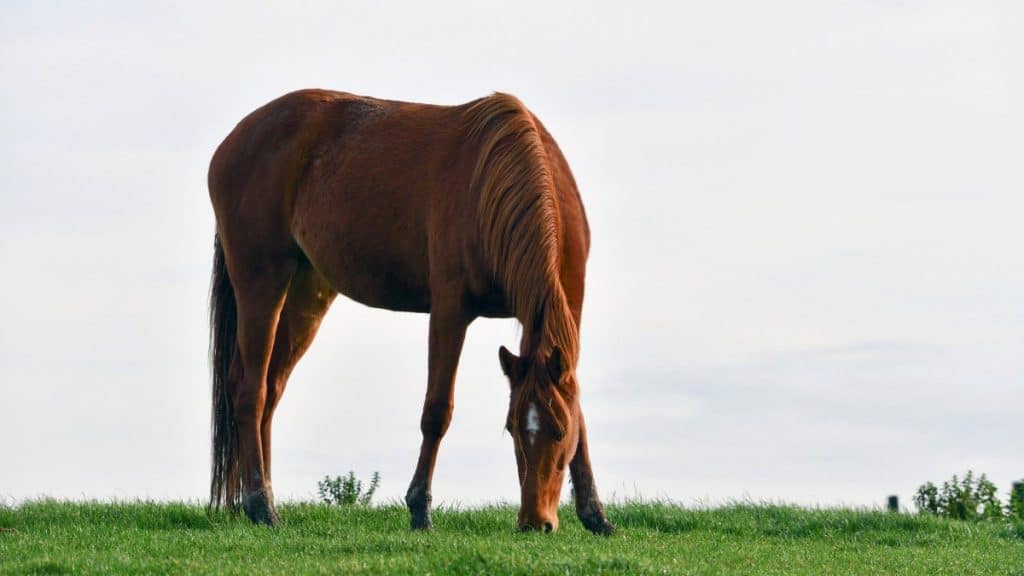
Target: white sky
{"points": [[805, 281]]}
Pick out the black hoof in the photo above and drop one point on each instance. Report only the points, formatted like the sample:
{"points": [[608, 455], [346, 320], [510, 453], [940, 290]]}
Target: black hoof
{"points": [[591, 515], [259, 508], [601, 527], [421, 521], [418, 502]]}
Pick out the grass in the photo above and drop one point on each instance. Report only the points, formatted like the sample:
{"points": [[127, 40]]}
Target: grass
{"points": [[55, 537]]}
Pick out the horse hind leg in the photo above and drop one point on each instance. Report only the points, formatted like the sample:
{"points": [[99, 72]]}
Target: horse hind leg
{"points": [[260, 289], [309, 297]]}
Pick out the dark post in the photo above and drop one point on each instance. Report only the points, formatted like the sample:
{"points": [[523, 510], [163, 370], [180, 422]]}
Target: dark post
{"points": [[893, 505]]}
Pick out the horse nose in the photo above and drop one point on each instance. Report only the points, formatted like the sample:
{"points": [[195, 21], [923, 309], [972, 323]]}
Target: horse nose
{"points": [[545, 525]]}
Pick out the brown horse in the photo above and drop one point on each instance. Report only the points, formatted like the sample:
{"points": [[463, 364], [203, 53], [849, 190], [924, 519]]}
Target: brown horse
{"points": [[458, 211]]}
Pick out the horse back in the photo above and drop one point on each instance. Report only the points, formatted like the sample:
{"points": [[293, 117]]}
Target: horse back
{"points": [[376, 195], [384, 208]]}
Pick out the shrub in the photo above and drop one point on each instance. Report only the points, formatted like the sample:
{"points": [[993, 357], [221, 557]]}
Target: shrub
{"points": [[991, 507], [1015, 508], [966, 498], [347, 490], [927, 498]]}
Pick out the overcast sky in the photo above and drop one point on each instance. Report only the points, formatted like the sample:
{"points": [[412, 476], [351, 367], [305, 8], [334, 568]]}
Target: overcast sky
{"points": [[805, 280]]}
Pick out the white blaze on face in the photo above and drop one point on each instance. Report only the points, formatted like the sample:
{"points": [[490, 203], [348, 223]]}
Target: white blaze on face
{"points": [[532, 423]]}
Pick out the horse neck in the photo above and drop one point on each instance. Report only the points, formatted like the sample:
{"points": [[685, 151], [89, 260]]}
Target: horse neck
{"points": [[520, 221]]}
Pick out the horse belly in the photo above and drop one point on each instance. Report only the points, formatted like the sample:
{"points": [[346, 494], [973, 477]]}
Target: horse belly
{"points": [[375, 257]]}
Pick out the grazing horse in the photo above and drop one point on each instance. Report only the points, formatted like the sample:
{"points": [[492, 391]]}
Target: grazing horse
{"points": [[458, 211]]}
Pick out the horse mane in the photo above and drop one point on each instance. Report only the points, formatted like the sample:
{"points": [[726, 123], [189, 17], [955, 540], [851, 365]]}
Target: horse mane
{"points": [[520, 222]]}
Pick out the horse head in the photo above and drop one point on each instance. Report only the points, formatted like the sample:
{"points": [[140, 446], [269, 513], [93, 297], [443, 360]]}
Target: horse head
{"points": [[543, 419]]}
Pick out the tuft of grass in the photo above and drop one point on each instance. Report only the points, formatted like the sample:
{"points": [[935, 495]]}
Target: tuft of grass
{"points": [[49, 536]]}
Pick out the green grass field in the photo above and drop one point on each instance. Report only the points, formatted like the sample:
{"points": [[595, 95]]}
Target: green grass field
{"points": [[60, 537]]}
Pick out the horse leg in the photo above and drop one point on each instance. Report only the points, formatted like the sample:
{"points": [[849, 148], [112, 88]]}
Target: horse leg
{"points": [[448, 325], [309, 297], [588, 506], [260, 290]]}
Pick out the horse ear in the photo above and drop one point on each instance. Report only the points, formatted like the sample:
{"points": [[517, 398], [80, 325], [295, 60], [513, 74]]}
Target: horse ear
{"points": [[511, 365], [556, 365]]}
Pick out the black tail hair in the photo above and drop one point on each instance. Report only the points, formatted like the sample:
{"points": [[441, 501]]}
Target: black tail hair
{"points": [[225, 482]]}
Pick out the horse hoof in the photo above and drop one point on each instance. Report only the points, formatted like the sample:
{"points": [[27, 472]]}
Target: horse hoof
{"points": [[260, 509], [264, 517], [421, 522], [599, 525], [418, 500]]}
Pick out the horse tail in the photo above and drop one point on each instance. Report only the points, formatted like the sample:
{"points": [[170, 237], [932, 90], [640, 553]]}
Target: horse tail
{"points": [[225, 483]]}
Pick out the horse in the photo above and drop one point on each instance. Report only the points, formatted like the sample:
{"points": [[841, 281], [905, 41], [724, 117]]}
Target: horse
{"points": [[460, 212]]}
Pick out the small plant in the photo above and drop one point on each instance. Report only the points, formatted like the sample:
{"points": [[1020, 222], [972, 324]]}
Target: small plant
{"points": [[966, 498], [347, 490], [927, 498], [1015, 508], [991, 507]]}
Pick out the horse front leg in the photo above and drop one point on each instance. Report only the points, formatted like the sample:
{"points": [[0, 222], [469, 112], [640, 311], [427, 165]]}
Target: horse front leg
{"points": [[588, 506], [448, 326]]}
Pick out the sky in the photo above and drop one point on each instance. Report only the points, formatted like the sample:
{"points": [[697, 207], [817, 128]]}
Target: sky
{"points": [[804, 283]]}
